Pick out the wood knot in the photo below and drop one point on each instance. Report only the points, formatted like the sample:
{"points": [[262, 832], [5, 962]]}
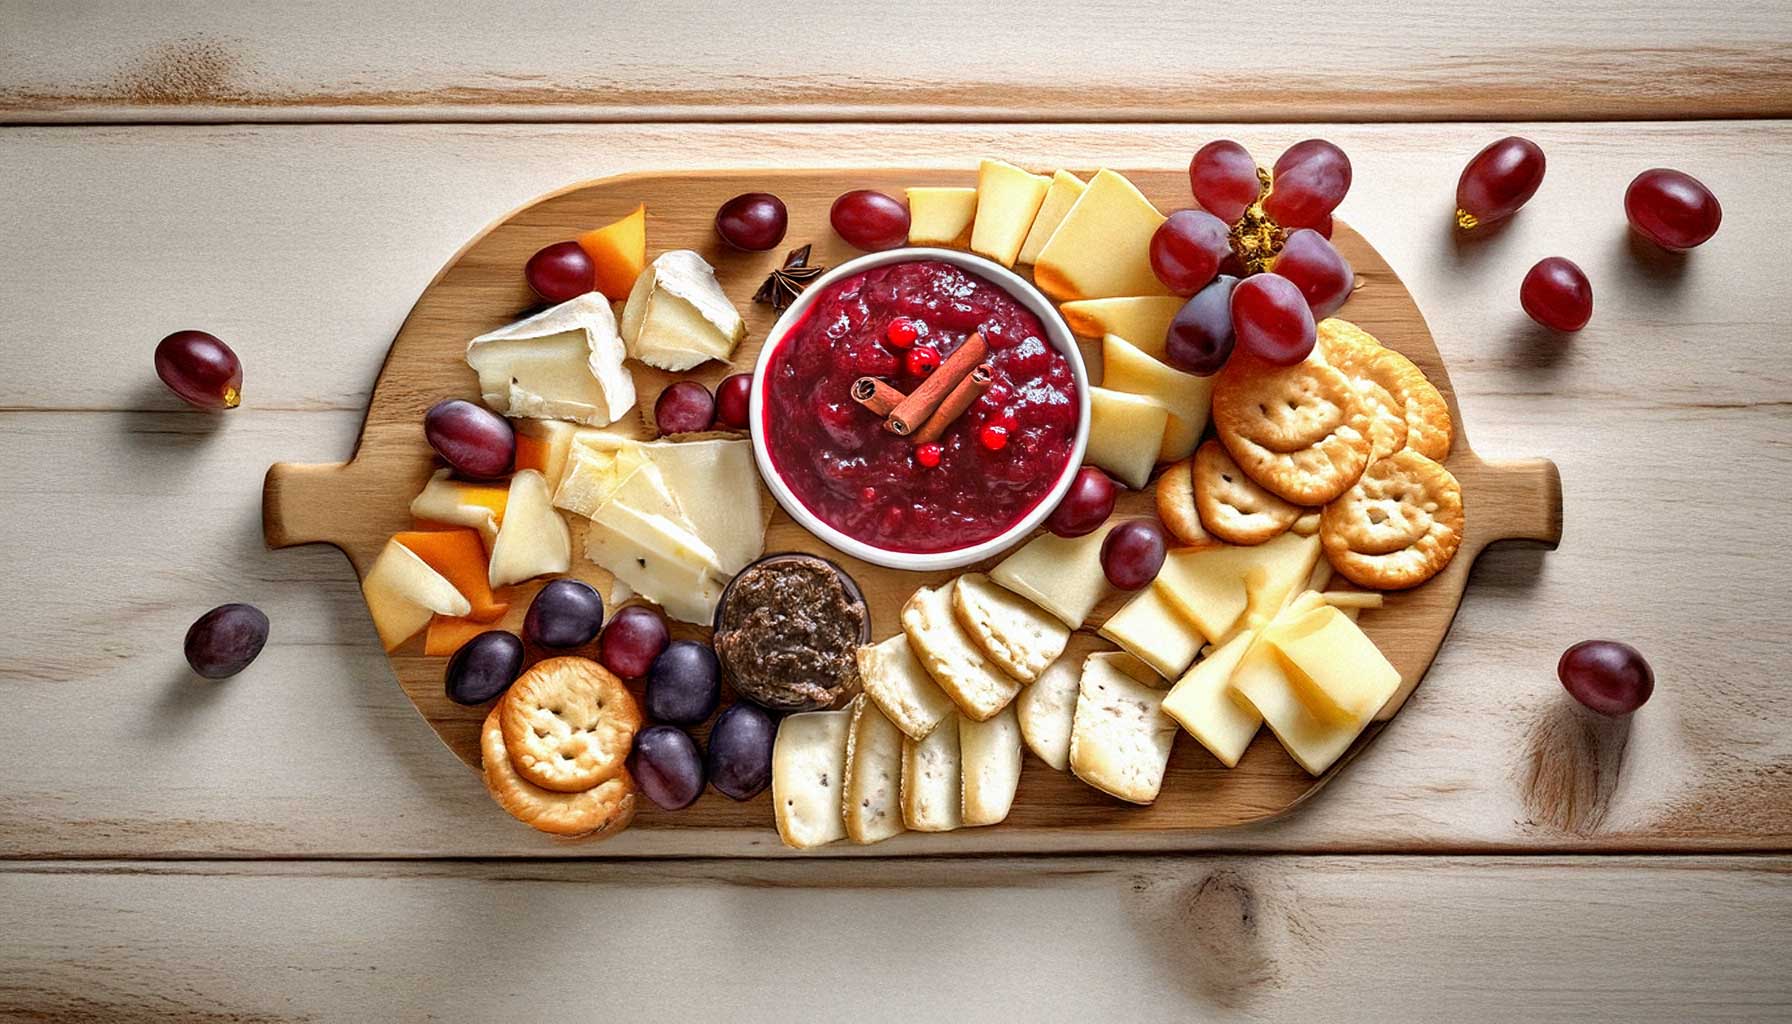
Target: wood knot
{"points": [[1572, 759]]}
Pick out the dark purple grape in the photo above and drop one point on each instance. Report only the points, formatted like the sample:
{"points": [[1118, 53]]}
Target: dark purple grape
{"points": [[635, 636], [686, 407], [740, 751], [484, 667], [1610, 677], [754, 221], [475, 441], [667, 766], [200, 369], [223, 641], [565, 613], [1200, 339], [684, 684]]}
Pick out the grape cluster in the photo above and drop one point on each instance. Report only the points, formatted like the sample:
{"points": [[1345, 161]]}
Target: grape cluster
{"points": [[1256, 261]]}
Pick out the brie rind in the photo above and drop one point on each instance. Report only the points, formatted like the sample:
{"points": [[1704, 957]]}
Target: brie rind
{"points": [[562, 363], [687, 592], [677, 316]]}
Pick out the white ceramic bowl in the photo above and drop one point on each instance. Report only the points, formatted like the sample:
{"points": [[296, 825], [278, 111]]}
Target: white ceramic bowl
{"points": [[1057, 334]]}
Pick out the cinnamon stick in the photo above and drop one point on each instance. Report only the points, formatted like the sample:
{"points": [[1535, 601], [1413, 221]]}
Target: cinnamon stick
{"points": [[914, 410], [957, 401], [876, 396]]}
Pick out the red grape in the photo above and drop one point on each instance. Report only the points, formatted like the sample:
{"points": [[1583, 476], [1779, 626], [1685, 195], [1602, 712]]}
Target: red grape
{"points": [[684, 408], [1187, 248], [1133, 553], [1672, 209], [1200, 338], [1085, 506], [201, 369], [475, 441], [1610, 677], [223, 641], [1307, 183], [1272, 320], [754, 221], [635, 636], [560, 272], [1317, 269], [1497, 181], [734, 397], [869, 220], [1223, 178], [1557, 295]]}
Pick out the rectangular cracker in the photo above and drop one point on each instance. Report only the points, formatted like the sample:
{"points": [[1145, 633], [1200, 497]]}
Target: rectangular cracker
{"points": [[808, 775], [1021, 638], [978, 688], [932, 799], [872, 798], [989, 754], [1120, 739], [1045, 710], [903, 690]]}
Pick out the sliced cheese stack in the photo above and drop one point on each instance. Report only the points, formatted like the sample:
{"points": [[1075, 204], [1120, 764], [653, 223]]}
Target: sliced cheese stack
{"points": [[673, 521]]}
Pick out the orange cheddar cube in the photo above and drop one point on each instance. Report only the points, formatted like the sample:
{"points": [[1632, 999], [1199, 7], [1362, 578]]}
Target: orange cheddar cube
{"points": [[459, 555], [619, 250]]}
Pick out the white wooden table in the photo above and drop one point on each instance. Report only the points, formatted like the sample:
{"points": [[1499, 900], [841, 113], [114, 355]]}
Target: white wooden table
{"points": [[294, 844]]}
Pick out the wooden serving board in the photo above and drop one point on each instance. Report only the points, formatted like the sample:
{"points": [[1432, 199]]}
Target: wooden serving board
{"points": [[357, 505]]}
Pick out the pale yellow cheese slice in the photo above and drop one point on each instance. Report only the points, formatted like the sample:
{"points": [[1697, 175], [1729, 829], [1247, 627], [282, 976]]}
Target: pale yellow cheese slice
{"points": [[1202, 702], [402, 593], [1060, 574], [1213, 587], [896, 680], [1143, 320], [1313, 739], [532, 540], [1187, 397], [1336, 669], [808, 774], [1066, 188], [872, 795], [1008, 199], [1152, 630], [1126, 432], [941, 216], [989, 763], [1103, 247], [657, 560], [716, 487], [932, 791]]}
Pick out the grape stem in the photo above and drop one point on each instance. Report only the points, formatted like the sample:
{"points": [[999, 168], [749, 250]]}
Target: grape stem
{"points": [[1257, 238]]}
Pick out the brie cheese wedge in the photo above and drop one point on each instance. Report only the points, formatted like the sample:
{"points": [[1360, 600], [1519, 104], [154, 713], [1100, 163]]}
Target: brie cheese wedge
{"points": [[564, 363], [677, 315]]}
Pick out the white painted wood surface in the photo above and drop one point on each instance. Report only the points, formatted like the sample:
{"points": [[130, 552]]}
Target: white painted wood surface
{"points": [[1347, 939], [305, 246], [934, 60]]}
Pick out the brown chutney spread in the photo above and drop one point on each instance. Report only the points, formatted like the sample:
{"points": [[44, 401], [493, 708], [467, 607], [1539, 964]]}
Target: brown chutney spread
{"points": [[786, 632]]}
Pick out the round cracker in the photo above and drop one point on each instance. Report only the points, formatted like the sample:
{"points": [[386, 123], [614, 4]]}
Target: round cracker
{"points": [[1299, 431], [604, 809], [568, 724], [1234, 507], [1429, 430], [1176, 506], [1387, 423], [1398, 526]]}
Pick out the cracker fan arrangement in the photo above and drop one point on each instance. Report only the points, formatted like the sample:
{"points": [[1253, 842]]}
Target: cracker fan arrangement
{"points": [[1034, 472]]}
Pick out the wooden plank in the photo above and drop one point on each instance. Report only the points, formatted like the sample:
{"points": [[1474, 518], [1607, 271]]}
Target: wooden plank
{"points": [[1220, 939], [1060, 60], [306, 246]]}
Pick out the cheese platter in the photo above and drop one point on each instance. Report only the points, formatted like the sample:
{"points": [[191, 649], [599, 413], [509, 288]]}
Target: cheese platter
{"points": [[904, 593]]}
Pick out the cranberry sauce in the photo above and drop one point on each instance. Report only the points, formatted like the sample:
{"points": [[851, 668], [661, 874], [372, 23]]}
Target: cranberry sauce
{"points": [[863, 480]]}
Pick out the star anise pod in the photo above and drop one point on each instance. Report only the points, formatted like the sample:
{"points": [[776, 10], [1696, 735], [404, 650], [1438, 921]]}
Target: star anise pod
{"points": [[788, 281]]}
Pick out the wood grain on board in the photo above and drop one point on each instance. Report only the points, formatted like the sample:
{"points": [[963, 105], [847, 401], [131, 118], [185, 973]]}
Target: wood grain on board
{"points": [[935, 60], [1225, 939], [306, 246], [359, 505]]}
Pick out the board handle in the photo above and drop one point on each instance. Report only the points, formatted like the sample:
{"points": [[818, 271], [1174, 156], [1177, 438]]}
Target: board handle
{"points": [[1527, 501], [301, 503]]}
